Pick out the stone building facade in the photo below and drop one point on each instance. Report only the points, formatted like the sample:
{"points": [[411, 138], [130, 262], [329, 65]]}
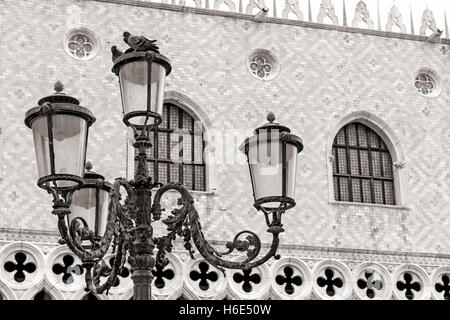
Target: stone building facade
{"points": [[322, 77]]}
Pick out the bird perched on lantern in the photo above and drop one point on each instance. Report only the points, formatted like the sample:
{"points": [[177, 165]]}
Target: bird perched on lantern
{"points": [[139, 43]]}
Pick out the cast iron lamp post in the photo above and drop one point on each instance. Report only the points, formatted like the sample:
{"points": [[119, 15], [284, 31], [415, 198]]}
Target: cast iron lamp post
{"points": [[81, 199]]}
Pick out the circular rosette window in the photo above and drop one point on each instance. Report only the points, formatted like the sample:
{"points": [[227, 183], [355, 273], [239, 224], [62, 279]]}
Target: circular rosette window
{"points": [[440, 283], [411, 283], [123, 280], [427, 83], [332, 280], [263, 65], [81, 44], [204, 280], [21, 265], [291, 279], [168, 281], [372, 282], [65, 269], [250, 284]]}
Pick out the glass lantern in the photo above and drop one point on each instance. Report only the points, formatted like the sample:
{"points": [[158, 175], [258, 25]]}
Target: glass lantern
{"points": [[141, 76], [90, 202], [272, 159], [60, 131]]}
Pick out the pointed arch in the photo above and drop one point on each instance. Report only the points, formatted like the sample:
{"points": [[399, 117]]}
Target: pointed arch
{"points": [[393, 144], [51, 290], [6, 292]]}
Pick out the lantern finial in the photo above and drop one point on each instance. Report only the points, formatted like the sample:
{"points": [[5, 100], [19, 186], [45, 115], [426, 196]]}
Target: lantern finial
{"points": [[58, 87], [271, 117], [88, 166]]}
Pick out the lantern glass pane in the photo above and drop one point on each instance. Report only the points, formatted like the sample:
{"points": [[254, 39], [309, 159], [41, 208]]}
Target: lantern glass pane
{"points": [[84, 206], [69, 145], [133, 85], [266, 168], [291, 170]]}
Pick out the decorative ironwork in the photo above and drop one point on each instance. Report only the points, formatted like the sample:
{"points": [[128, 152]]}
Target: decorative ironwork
{"points": [[129, 222], [362, 166]]}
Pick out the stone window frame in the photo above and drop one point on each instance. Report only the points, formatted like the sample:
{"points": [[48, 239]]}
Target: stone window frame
{"points": [[438, 82], [269, 58], [194, 110], [86, 32], [395, 149]]}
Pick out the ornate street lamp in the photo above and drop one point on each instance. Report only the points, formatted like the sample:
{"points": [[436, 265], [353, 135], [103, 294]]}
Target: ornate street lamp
{"points": [[60, 127]]}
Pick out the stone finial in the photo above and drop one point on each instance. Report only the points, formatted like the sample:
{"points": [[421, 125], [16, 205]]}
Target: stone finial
{"points": [[294, 7], [412, 20], [446, 25], [58, 87], [88, 166], [229, 3], [327, 10], [344, 14], [395, 19], [428, 22], [275, 13], [271, 117], [378, 16], [362, 15], [252, 4], [309, 11]]}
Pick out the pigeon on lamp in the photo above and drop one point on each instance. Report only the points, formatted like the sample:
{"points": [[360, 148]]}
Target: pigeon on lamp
{"points": [[115, 53], [140, 43]]}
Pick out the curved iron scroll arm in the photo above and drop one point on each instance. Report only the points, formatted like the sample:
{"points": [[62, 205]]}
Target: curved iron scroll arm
{"points": [[117, 231], [185, 222]]}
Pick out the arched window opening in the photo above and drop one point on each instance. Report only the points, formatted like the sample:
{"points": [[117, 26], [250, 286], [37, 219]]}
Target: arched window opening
{"points": [[42, 295], [177, 152], [362, 166]]}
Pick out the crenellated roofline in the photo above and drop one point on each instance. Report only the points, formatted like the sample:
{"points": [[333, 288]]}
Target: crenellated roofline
{"points": [[254, 13]]}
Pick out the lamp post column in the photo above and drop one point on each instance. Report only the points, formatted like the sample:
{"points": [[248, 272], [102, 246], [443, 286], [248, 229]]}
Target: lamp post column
{"points": [[142, 260]]}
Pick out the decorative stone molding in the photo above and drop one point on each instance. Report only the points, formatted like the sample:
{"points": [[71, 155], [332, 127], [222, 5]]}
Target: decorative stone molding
{"points": [[291, 279], [395, 19], [411, 282], [205, 280], [294, 7], [332, 280], [327, 10], [440, 283], [298, 264], [362, 15], [428, 22], [372, 282]]}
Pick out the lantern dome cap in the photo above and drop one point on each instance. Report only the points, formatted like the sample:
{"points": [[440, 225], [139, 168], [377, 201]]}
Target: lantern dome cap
{"points": [[284, 133], [91, 178], [141, 55], [271, 125], [60, 104], [59, 96]]}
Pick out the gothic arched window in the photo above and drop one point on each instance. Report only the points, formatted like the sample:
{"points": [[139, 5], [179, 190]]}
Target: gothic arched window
{"points": [[362, 166], [177, 152]]}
